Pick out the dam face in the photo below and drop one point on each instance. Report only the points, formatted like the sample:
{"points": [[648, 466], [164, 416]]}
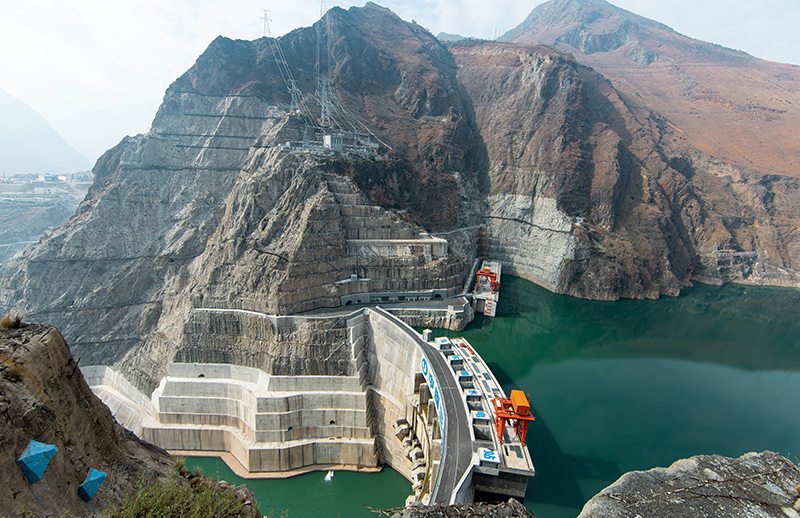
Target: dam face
{"points": [[382, 396]]}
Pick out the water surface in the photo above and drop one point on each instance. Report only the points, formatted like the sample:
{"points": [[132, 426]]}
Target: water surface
{"points": [[627, 385], [317, 495], [614, 386]]}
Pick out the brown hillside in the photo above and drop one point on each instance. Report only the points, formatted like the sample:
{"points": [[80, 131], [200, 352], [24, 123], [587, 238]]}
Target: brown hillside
{"points": [[724, 103]]}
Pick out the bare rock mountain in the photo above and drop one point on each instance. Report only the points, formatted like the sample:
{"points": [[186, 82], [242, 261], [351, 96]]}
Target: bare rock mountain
{"points": [[211, 209], [515, 151], [723, 121]]}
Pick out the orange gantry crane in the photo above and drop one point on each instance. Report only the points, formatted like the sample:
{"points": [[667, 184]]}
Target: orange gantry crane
{"points": [[490, 277], [515, 408]]}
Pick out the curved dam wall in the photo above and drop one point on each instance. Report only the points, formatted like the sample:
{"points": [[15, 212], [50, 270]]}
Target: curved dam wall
{"points": [[365, 415], [405, 434]]}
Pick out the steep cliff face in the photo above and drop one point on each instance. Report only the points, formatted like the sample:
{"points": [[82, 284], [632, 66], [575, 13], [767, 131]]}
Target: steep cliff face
{"points": [[723, 121], [571, 167], [210, 209]]}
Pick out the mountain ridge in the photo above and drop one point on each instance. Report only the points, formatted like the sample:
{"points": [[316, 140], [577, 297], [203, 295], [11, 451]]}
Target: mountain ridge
{"points": [[513, 151], [729, 105]]}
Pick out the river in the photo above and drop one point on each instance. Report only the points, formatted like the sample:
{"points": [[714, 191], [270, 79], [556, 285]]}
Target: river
{"points": [[614, 387]]}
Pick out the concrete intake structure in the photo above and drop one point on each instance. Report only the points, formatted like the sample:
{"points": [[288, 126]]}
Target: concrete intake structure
{"points": [[395, 401]]}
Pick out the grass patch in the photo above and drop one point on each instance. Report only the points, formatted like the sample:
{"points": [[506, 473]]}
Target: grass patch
{"points": [[180, 462]]}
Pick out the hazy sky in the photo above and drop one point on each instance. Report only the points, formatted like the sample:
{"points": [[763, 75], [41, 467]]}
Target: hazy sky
{"points": [[97, 69]]}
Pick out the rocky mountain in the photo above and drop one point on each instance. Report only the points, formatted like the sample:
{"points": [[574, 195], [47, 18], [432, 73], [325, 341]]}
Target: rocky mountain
{"points": [[721, 102], [513, 151], [29, 145], [722, 120], [211, 209]]}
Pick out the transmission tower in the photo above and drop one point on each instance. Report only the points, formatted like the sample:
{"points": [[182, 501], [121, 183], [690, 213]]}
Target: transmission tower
{"points": [[294, 92], [324, 102], [266, 21], [323, 79]]}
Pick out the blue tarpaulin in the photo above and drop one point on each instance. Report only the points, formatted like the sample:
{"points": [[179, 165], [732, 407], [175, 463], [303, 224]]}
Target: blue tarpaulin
{"points": [[35, 458], [92, 483]]}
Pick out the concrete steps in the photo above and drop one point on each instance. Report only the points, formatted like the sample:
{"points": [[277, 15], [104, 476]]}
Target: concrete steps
{"points": [[268, 423]]}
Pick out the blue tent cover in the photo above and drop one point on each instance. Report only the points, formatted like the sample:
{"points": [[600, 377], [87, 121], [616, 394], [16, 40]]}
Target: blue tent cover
{"points": [[35, 458], [92, 483]]}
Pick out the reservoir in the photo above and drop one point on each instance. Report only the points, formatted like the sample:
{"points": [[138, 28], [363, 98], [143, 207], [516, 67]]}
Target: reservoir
{"points": [[615, 387]]}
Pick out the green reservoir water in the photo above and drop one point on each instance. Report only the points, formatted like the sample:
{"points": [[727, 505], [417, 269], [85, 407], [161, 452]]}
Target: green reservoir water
{"points": [[317, 494], [614, 386]]}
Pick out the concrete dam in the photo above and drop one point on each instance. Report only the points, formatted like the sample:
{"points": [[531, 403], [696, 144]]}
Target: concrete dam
{"points": [[383, 394]]}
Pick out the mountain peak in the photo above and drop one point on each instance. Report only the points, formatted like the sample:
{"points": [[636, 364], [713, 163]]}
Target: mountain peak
{"points": [[596, 26], [688, 81]]}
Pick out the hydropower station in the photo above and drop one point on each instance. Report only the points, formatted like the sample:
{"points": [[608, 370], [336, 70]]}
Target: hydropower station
{"points": [[353, 388], [429, 408]]}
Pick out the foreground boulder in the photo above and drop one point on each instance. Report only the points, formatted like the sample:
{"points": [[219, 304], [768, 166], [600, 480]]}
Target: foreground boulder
{"points": [[754, 485]]}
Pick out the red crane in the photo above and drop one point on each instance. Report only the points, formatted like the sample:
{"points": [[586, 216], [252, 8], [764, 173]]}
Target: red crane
{"points": [[491, 278], [516, 409]]}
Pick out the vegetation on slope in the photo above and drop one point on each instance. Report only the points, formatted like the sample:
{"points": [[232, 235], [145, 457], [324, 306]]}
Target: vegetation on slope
{"points": [[192, 496]]}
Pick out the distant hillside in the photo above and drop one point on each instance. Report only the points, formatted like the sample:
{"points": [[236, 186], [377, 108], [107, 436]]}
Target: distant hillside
{"points": [[725, 103], [29, 145], [443, 36]]}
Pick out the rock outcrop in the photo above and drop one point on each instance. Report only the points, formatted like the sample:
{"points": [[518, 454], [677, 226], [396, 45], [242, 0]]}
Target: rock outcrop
{"points": [[44, 397], [510, 509], [754, 485]]}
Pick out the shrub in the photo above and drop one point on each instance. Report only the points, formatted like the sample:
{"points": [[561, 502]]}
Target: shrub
{"points": [[14, 373], [11, 320], [178, 499]]}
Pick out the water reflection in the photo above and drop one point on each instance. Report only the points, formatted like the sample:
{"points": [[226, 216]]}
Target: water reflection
{"points": [[318, 494], [747, 327]]}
